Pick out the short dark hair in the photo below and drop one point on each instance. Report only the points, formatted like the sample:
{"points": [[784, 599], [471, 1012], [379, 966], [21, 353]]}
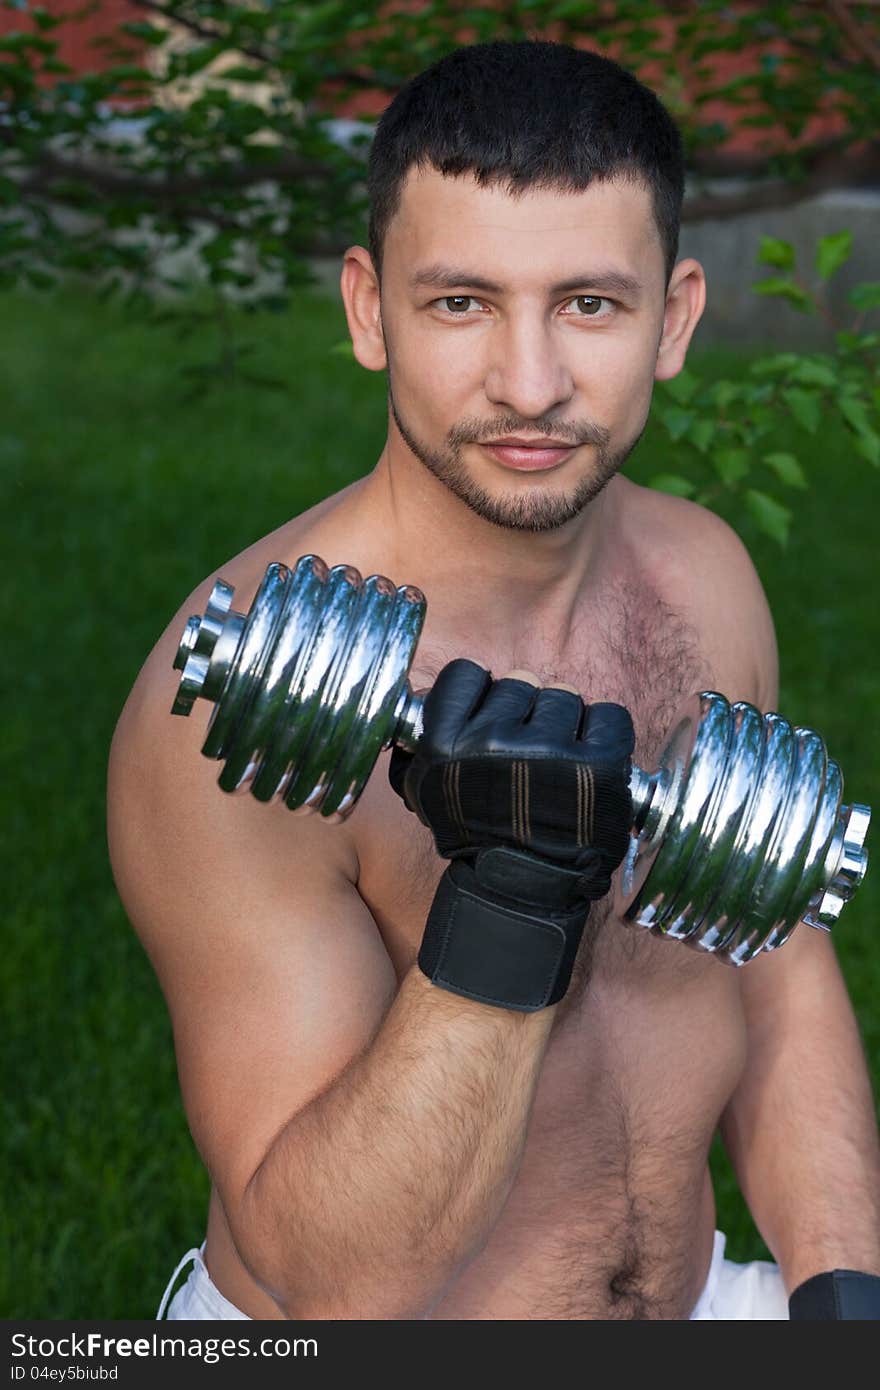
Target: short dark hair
{"points": [[533, 114]]}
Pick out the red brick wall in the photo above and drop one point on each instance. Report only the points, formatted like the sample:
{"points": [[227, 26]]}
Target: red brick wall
{"points": [[744, 140], [76, 39], [77, 48]]}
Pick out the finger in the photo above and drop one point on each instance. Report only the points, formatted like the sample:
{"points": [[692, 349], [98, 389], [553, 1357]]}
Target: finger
{"points": [[398, 768], [608, 734], [508, 702], [557, 714], [456, 693]]}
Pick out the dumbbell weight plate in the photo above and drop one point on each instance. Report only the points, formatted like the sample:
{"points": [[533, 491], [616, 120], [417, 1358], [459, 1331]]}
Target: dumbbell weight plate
{"points": [[686, 778], [315, 686], [744, 831], [738, 833]]}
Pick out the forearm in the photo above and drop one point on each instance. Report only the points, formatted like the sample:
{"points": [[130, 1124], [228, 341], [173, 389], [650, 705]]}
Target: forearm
{"points": [[381, 1189], [801, 1129]]}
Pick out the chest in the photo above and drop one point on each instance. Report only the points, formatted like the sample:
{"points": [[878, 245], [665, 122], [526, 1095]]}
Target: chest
{"points": [[629, 646]]}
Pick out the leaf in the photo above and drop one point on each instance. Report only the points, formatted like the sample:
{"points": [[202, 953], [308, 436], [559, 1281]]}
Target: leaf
{"points": [[148, 33], [787, 469], [866, 296], [682, 387], [343, 349], [855, 413], [197, 59], [723, 393], [782, 288], [701, 434], [674, 483], [731, 465], [848, 342], [832, 252], [868, 446], [810, 372], [772, 518], [804, 407], [776, 365], [677, 422], [241, 73], [772, 251]]}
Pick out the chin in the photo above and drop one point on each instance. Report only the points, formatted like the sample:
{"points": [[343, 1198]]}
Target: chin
{"points": [[531, 509]]}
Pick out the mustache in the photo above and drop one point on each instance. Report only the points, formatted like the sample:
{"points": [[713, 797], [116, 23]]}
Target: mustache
{"points": [[574, 432]]}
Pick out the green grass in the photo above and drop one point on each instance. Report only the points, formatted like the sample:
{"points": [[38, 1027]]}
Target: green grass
{"points": [[117, 499]]}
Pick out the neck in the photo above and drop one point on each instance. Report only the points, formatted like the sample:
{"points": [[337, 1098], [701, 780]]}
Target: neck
{"points": [[487, 579]]}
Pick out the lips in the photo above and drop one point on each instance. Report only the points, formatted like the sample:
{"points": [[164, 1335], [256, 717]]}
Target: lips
{"points": [[528, 457]]}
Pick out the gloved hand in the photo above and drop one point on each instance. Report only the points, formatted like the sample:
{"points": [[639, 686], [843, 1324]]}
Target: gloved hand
{"points": [[840, 1295], [526, 791]]}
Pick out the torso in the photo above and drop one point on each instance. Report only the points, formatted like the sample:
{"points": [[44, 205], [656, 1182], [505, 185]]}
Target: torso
{"points": [[612, 1214]]}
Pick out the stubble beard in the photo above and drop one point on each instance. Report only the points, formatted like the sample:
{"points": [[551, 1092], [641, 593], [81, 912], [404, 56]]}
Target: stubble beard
{"points": [[539, 510]]}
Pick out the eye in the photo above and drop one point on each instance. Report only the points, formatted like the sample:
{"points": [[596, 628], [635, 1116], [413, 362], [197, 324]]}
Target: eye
{"points": [[590, 306], [456, 304]]}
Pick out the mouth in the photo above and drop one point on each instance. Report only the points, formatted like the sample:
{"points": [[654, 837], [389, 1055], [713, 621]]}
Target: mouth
{"points": [[529, 457]]}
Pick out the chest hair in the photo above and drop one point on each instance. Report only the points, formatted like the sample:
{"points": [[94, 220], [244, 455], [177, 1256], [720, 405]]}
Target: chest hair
{"points": [[628, 645]]}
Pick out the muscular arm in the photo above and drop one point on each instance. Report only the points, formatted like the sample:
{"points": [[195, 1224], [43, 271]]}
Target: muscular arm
{"points": [[376, 1194], [800, 1128], [362, 1137]]}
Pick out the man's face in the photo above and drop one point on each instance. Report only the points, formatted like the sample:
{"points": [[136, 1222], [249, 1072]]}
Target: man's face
{"points": [[536, 317]]}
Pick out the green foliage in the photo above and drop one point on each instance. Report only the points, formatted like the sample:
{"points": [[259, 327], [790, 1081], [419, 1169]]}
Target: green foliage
{"points": [[720, 429], [833, 252], [228, 123], [225, 153]]}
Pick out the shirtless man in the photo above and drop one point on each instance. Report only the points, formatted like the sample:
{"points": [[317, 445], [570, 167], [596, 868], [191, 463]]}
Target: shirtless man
{"points": [[381, 1147]]}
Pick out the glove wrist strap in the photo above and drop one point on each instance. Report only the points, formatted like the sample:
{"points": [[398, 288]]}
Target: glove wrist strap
{"points": [[505, 930], [840, 1295]]}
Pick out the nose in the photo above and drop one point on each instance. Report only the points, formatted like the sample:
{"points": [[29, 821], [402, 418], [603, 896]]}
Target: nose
{"points": [[528, 373]]}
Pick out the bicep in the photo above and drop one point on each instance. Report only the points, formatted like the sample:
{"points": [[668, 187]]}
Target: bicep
{"points": [[272, 966], [276, 999]]}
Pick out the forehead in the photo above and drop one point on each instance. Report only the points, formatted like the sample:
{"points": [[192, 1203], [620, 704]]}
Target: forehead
{"points": [[523, 238]]}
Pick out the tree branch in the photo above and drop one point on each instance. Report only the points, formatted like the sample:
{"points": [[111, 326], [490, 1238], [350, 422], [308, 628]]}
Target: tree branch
{"points": [[51, 167], [204, 31], [368, 81], [860, 41], [827, 173]]}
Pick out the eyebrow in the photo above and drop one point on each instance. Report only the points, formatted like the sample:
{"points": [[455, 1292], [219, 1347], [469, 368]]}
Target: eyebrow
{"points": [[446, 277]]}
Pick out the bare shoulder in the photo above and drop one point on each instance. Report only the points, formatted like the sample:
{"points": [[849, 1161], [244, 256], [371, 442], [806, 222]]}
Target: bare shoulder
{"points": [[163, 793], [148, 744], [699, 567], [272, 966]]}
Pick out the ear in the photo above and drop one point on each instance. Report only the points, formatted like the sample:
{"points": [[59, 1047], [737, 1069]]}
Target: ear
{"points": [[360, 295], [685, 301]]}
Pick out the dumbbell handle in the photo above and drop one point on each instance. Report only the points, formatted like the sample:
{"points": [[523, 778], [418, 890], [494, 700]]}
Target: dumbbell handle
{"points": [[643, 786], [655, 797], [312, 683]]}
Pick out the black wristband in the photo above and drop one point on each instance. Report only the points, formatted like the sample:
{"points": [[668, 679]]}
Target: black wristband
{"points": [[841, 1295], [483, 941]]}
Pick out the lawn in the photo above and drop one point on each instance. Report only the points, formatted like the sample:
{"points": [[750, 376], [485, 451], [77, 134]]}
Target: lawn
{"points": [[118, 496]]}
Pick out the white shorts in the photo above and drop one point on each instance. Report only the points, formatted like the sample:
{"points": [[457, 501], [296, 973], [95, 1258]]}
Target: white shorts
{"points": [[732, 1292]]}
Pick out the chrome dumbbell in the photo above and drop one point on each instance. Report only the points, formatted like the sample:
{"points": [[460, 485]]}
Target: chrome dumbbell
{"points": [[739, 832]]}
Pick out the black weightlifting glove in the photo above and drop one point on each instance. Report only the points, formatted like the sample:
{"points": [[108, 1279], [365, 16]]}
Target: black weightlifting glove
{"points": [[841, 1295], [526, 791]]}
